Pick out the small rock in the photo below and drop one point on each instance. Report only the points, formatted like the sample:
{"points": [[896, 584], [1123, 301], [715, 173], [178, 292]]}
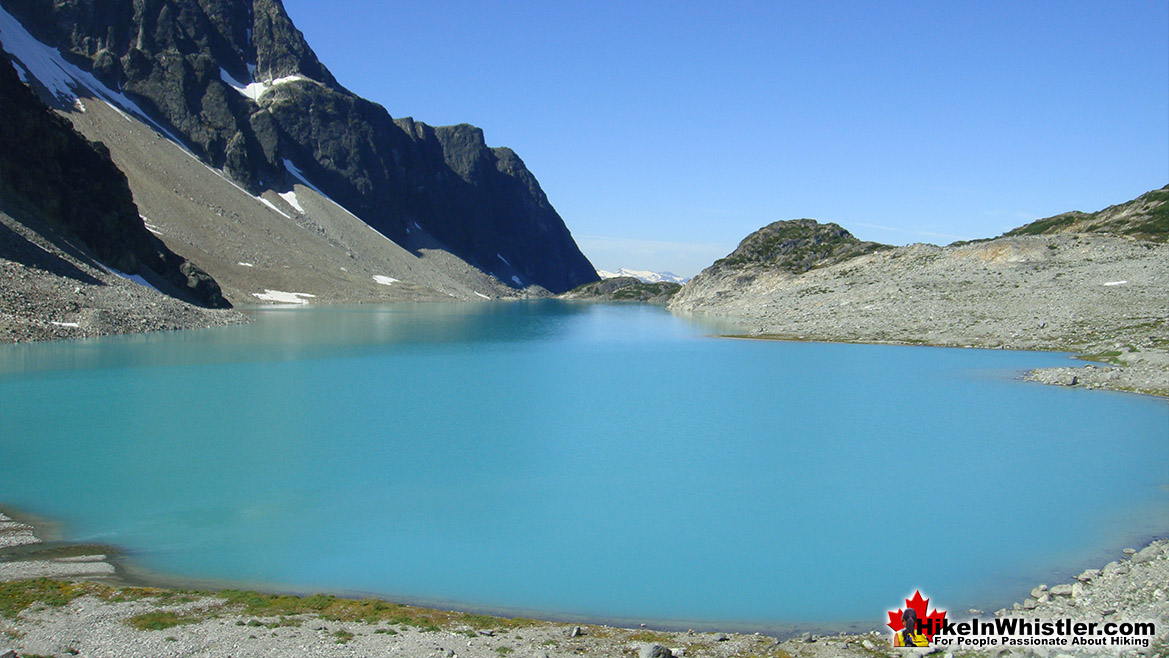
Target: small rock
{"points": [[654, 651], [1129, 551], [576, 631], [1088, 575], [721, 637], [869, 646], [1030, 604], [1147, 554], [487, 632], [1061, 590], [975, 612]]}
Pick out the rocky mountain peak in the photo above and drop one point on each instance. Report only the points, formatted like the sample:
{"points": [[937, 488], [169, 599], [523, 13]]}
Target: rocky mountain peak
{"points": [[796, 246], [237, 83]]}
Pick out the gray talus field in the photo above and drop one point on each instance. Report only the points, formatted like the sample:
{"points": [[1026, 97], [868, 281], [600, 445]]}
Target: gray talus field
{"points": [[297, 241]]}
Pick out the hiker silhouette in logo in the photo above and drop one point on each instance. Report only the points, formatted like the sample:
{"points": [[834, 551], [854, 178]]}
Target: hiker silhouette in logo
{"points": [[908, 636]]}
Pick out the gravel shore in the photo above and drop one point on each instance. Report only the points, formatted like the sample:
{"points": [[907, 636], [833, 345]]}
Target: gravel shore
{"points": [[86, 611], [1100, 296], [51, 290]]}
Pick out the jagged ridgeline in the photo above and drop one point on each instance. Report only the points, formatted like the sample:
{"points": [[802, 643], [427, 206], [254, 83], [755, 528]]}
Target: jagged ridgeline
{"points": [[238, 83], [50, 172]]}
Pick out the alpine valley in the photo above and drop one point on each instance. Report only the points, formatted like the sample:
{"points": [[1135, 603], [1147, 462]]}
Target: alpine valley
{"points": [[252, 176]]}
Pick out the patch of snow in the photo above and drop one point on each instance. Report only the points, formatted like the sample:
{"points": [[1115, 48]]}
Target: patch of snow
{"points": [[481, 295], [517, 280], [1115, 283], [127, 117], [500, 257], [384, 280], [149, 227], [644, 275], [67, 324], [21, 72], [290, 198], [254, 90], [417, 226], [136, 278], [243, 264], [271, 205], [63, 79], [79, 105], [292, 169], [282, 297], [38, 60]]}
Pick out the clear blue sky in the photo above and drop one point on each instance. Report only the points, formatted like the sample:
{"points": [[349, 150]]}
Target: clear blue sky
{"points": [[665, 132]]}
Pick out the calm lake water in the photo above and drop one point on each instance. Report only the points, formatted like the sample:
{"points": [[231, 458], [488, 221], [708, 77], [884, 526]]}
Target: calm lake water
{"points": [[580, 460]]}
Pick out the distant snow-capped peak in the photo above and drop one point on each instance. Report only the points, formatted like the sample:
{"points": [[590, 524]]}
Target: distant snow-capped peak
{"points": [[646, 276]]}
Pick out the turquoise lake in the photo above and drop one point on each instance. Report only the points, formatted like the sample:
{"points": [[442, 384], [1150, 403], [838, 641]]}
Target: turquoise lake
{"points": [[573, 460]]}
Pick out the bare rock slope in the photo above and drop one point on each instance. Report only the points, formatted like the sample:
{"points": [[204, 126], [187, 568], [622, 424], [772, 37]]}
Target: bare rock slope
{"points": [[1100, 294]]}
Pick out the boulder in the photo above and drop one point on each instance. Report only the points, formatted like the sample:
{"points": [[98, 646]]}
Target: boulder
{"points": [[654, 651]]}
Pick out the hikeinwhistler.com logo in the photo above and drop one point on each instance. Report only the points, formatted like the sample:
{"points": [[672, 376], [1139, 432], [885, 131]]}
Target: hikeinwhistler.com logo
{"points": [[913, 626]]}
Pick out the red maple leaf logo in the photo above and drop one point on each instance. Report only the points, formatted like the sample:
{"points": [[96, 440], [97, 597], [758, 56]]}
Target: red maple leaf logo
{"points": [[931, 623]]}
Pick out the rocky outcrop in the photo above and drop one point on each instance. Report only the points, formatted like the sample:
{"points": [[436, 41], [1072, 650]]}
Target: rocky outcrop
{"points": [[624, 289], [794, 246], [51, 173], [236, 81]]}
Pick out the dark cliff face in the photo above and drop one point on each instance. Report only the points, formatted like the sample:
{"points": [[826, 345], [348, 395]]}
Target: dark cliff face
{"points": [[181, 61], [70, 184]]}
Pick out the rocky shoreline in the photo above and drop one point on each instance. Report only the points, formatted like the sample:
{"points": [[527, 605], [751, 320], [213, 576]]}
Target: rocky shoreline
{"points": [[53, 291], [61, 600], [1095, 295]]}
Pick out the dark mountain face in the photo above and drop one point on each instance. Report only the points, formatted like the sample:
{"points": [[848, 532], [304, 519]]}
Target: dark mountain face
{"points": [[50, 171], [186, 62]]}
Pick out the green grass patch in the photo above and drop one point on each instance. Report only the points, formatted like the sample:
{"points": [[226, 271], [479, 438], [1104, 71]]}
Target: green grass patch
{"points": [[368, 610], [160, 620], [343, 636], [650, 637], [18, 595]]}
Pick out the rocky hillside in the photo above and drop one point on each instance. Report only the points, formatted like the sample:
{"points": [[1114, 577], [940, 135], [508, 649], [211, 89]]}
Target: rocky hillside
{"points": [[71, 187], [794, 246], [237, 84], [1144, 218], [1093, 293]]}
